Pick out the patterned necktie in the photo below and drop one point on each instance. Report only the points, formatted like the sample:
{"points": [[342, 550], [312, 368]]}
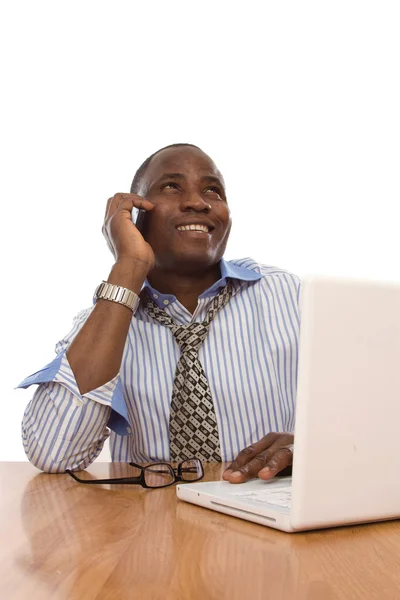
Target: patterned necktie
{"points": [[193, 425]]}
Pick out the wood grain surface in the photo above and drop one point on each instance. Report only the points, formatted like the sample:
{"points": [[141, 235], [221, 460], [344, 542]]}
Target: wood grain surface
{"points": [[64, 540]]}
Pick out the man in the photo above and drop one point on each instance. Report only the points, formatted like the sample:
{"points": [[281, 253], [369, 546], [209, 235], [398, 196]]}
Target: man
{"points": [[206, 364]]}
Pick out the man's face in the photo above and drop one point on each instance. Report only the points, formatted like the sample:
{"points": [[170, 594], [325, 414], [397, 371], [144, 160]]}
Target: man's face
{"points": [[187, 189]]}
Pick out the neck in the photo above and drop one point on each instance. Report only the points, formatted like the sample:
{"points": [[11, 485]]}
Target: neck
{"points": [[187, 287]]}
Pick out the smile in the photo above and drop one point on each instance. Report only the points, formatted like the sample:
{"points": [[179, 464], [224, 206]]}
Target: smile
{"points": [[197, 227]]}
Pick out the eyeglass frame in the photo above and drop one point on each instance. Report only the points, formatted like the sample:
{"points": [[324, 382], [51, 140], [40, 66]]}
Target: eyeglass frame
{"points": [[176, 472]]}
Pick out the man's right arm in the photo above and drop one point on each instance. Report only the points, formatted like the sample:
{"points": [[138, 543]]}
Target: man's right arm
{"points": [[96, 353], [65, 424]]}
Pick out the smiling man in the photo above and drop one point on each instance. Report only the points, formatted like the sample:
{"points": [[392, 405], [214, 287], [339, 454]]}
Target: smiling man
{"points": [[183, 354]]}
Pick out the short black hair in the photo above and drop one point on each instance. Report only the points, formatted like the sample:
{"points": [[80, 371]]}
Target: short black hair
{"points": [[135, 187]]}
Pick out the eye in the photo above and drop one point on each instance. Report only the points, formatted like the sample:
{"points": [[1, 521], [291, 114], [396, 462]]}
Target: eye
{"points": [[171, 185], [213, 189]]}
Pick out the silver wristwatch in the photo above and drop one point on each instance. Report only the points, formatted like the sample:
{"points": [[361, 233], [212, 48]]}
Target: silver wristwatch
{"points": [[116, 293]]}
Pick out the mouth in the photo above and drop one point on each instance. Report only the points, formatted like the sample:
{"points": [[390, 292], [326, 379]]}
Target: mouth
{"points": [[195, 228]]}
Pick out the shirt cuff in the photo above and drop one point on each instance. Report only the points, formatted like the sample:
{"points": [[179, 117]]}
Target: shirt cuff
{"points": [[109, 394]]}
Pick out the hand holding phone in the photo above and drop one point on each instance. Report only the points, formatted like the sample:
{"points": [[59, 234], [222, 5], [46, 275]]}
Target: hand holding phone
{"points": [[123, 223]]}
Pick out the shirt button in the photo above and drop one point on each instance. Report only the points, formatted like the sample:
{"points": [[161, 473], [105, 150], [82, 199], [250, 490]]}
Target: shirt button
{"points": [[166, 302], [155, 296], [128, 430]]}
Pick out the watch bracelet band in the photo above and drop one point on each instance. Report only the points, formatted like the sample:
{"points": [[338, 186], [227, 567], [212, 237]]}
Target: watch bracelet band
{"points": [[118, 294]]}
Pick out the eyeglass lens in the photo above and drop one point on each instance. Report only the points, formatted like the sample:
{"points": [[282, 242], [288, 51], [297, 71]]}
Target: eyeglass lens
{"points": [[191, 470], [158, 475]]}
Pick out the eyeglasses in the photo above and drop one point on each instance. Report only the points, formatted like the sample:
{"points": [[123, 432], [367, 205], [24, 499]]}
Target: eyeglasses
{"points": [[156, 475]]}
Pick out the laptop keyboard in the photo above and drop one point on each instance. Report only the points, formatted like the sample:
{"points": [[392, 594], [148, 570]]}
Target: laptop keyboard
{"points": [[277, 496]]}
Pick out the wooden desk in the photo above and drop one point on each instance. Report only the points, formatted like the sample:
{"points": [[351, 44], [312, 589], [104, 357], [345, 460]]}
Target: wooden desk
{"points": [[64, 540]]}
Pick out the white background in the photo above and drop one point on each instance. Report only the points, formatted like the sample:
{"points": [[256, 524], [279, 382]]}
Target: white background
{"points": [[297, 102]]}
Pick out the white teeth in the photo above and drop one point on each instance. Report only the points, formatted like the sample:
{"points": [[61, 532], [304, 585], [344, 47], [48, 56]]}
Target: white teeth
{"points": [[203, 228]]}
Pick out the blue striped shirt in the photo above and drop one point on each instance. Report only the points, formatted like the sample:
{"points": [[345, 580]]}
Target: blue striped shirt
{"points": [[249, 357]]}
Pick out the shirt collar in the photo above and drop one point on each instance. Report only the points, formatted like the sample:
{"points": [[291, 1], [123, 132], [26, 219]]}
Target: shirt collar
{"points": [[228, 270]]}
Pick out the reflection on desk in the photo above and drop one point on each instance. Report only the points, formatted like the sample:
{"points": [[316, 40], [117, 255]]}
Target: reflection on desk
{"points": [[63, 540]]}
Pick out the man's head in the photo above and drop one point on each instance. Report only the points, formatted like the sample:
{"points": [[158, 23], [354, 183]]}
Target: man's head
{"points": [[186, 189]]}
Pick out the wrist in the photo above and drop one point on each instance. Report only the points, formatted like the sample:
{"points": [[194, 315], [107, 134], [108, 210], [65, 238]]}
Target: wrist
{"points": [[128, 274]]}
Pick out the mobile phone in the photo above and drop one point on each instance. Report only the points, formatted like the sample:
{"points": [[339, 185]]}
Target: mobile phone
{"points": [[138, 215]]}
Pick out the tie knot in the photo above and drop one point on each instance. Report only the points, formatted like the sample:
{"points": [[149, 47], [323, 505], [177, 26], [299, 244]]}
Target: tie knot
{"points": [[190, 337]]}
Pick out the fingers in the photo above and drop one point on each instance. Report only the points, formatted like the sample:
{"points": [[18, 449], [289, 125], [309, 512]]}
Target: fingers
{"points": [[117, 205], [122, 201], [280, 460], [250, 452], [249, 470], [264, 459]]}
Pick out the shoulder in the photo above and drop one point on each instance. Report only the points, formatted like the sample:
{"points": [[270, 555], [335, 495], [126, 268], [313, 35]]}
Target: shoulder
{"points": [[268, 273]]}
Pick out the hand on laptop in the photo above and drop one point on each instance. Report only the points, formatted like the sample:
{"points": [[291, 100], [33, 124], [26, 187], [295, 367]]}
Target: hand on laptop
{"points": [[264, 459]]}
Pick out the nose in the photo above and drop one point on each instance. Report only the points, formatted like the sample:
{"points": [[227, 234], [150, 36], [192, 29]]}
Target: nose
{"points": [[194, 201]]}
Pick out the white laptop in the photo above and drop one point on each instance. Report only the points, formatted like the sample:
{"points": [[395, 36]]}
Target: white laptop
{"points": [[347, 438]]}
